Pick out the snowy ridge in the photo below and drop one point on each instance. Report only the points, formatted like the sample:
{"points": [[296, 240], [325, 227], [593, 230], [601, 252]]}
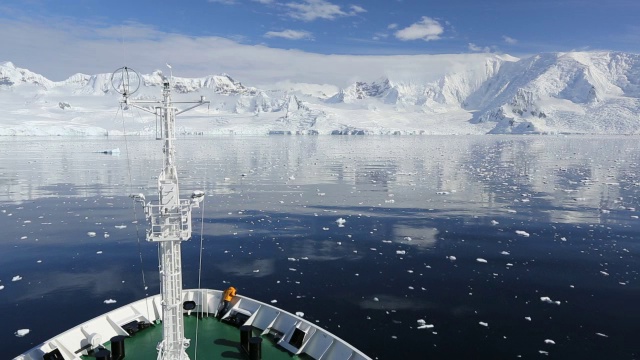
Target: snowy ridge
{"points": [[576, 92]]}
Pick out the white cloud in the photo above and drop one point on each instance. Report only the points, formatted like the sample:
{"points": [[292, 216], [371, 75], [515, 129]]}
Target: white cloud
{"points": [[290, 34], [475, 48], [392, 26], [264, 1], [509, 40], [59, 48], [355, 9], [225, 2], [310, 10], [426, 29]]}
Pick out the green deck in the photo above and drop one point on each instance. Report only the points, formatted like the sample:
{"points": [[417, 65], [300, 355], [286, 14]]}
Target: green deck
{"points": [[216, 340]]}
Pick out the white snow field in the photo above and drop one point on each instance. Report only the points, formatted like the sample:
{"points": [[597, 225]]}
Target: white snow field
{"points": [[577, 92]]}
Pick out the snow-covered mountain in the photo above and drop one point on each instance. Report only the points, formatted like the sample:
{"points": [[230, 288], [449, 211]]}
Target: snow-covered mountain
{"points": [[577, 92]]}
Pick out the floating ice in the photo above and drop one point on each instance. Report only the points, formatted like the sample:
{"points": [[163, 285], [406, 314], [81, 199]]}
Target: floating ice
{"points": [[522, 233], [299, 314], [601, 334], [528, 318], [341, 222], [121, 226], [91, 234], [98, 252], [481, 260], [274, 301], [604, 273], [493, 222], [1, 287], [505, 253], [423, 324], [292, 259], [549, 341], [452, 258], [543, 352], [401, 252], [442, 193], [548, 300], [376, 299], [17, 278], [408, 238], [22, 332], [110, 301], [483, 323]]}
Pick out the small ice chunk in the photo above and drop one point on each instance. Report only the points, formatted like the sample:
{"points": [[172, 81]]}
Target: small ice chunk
{"points": [[601, 334], [376, 299], [423, 324], [274, 301], [121, 226], [401, 252], [493, 222], [16, 278], [549, 341], [256, 270], [543, 352], [548, 300], [604, 273], [481, 260], [22, 332], [505, 253], [452, 258], [299, 314], [528, 318], [341, 222], [292, 259], [483, 323], [522, 233], [91, 234], [1, 287], [98, 252], [110, 301]]}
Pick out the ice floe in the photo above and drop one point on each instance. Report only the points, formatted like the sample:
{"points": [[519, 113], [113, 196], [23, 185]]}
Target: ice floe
{"points": [[481, 260], [16, 278], [299, 314], [341, 222], [91, 234], [483, 323], [522, 233], [22, 332], [110, 301], [452, 258], [549, 341], [549, 301], [423, 324]]}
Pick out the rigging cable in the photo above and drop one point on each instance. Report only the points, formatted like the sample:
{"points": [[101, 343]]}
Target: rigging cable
{"points": [[202, 297], [135, 215]]}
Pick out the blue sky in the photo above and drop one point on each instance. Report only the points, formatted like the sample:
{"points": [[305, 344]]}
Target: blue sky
{"points": [[381, 27]]}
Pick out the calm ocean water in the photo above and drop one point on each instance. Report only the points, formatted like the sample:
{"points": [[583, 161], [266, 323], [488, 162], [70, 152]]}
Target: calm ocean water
{"points": [[505, 247]]}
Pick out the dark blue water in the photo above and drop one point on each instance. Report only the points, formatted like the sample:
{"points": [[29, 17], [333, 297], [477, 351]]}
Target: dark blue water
{"points": [[524, 217]]}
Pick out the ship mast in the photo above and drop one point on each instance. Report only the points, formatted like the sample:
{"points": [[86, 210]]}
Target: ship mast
{"points": [[170, 218]]}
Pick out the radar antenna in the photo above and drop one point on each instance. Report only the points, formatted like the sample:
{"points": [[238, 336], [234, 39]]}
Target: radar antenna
{"points": [[125, 81]]}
